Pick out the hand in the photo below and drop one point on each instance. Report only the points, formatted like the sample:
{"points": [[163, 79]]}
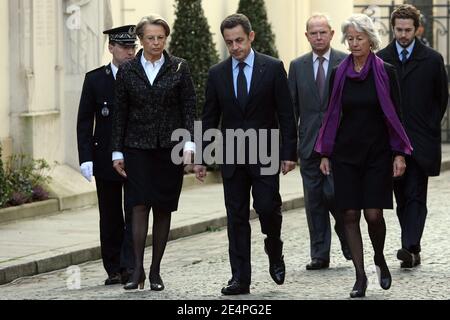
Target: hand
{"points": [[287, 166], [119, 165], [189, 168], [86, 169], [200, 172], [325, 166], [399, 166]]}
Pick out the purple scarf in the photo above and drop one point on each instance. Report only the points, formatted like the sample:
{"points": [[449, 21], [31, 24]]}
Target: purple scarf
{"points": [[327, 135]]}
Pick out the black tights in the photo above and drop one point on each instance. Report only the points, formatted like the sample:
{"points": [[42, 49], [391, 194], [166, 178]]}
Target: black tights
{"points": [[377, 233], [160, 233]]}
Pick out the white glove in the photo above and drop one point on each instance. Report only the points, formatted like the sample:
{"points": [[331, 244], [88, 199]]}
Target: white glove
{"points": [[87, 170]]}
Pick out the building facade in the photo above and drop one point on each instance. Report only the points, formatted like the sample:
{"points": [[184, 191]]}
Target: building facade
{"points": [[53, 43]]}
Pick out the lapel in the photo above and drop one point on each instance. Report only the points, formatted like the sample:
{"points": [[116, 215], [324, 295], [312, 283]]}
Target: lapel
{"points": [[334, 61], [139, 69], [165, 67], [310, 80], [109, 75], [417, 55], [392, 56], [228, 85], [259, 68]]}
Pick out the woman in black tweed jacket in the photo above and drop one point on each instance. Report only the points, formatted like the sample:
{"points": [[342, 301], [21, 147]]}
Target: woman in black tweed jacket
{"points": [[155, 95]]}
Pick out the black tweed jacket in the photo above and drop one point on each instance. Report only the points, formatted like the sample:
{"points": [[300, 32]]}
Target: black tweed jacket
{"points": [[146, 115]]}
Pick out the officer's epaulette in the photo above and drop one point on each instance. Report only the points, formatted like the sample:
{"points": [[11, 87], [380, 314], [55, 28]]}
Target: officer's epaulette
{"points": [[96, 70]]}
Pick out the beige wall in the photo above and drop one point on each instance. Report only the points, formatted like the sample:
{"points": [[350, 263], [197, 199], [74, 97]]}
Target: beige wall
{"points": [[288, 18], [49, 62], [33, 77], [4, 84]]}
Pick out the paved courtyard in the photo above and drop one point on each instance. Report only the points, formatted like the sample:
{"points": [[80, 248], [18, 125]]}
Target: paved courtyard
{"points": [[195, 268]]}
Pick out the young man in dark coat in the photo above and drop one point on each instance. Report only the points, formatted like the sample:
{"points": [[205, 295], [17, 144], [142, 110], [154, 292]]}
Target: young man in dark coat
{"points": [[424, 88], [96, 107]]}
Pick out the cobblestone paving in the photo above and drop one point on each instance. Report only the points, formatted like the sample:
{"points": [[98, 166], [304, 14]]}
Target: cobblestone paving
{"points": [[196, 268]]}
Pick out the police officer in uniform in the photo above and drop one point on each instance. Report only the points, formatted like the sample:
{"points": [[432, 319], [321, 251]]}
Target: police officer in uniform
{"points": [[94, 127]]}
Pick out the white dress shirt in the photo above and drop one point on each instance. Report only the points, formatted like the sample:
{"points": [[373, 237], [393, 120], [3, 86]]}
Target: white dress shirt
{"points": [[409, 49], [152, 68], [114, 70], [326, 62], [248, 70]]}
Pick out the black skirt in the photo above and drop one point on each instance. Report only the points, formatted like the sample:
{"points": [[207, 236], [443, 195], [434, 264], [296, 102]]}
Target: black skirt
{"points": [[153, 179], [366, 185]]}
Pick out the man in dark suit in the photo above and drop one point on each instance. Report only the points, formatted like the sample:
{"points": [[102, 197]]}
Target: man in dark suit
{"points": [[424, 88], [309, 77], [96, 107], [249, 91]]}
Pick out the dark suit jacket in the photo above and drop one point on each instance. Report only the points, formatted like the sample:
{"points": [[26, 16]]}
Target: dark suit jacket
{"points": [[146, 115], [424, 90], [93, 145], [394, 89], [308, 107], [269, 105]]}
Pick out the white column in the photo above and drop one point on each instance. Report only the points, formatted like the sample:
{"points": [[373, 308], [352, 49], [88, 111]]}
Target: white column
{"points": [[34, 102], [5, 139]]}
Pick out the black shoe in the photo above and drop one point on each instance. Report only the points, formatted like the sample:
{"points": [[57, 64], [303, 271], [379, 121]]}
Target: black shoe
{"points": [[409, 259], [317, 264], [359, 289], [156, 283], [277, 271], [277, 268], [137, 281], [231, 281], [235, 287], [346, 252], [113, 279], [384, 276]]}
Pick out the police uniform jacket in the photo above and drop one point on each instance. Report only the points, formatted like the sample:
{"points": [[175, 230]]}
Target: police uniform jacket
{"points": [[94, 123]]}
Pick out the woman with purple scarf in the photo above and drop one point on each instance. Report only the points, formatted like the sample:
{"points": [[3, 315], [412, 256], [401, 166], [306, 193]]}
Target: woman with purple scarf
{"points": [[363, 137]]}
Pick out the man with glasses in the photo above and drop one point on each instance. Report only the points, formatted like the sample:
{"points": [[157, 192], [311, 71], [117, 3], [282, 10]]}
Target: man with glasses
{"points": [[96, 107], [424, 93]]}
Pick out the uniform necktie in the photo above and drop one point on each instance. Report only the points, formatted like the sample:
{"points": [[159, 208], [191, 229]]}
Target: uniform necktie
{"points": [[320, 78], [404, 56], [242, 93]]}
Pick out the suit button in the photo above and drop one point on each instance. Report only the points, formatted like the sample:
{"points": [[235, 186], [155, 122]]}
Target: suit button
{"points": [[96, 144]]}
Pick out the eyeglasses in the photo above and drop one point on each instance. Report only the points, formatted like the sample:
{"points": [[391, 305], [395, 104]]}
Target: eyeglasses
{"points": [[155, 38]]}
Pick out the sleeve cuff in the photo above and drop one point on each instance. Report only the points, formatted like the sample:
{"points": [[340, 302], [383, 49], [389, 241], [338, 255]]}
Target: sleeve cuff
{"points": [[116, 155], [189, 146]]}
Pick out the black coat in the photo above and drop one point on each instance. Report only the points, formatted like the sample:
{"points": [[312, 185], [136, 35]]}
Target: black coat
{"points": [[96, 106], [269, 105], [146, 115], [424, 90]]}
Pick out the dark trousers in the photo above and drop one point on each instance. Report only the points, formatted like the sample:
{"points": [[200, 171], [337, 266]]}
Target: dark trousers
{"points": [[411, 196], [267, 204], [318, 192], [115, 230]]}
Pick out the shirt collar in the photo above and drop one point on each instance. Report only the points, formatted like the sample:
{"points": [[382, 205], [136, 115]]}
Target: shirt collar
{"points": [[159, 62], [326, 55], [409, 48], [114, 70], [249, 61]]}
